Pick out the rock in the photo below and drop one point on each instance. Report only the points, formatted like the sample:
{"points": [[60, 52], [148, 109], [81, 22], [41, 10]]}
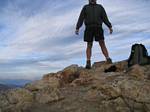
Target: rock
{"points": [[3, 100], [108, 89], [115, 105], [147, 107], [84, 73], [76, 89], [19, 96], [135, 106], [48, 95], [85, 78], [113, 68], [101, 66], [94, 96], [115, 77], [50, 82], [148, 77], [15, 100], [21, 107], [118, 67], [137, 72], [121, 66], [82, 81], [36, 86], [138, 91], [48, 77], [70, 73]]}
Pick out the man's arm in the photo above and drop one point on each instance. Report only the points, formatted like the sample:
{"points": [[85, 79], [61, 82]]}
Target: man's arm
{"points": [[106, 20], [80, 20]]}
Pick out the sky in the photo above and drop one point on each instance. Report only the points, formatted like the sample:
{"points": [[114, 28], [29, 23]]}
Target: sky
{"points": [[37, 37]]}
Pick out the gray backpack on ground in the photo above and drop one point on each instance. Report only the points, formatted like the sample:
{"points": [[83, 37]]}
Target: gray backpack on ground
{"points": [[139, 55]]}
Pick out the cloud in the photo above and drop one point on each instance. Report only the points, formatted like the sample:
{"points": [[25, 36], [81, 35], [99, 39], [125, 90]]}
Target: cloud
{"points": [[38, 37]]}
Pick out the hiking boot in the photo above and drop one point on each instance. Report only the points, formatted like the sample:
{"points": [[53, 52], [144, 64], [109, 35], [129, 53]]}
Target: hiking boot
{"points": [[88, 64], [109, 61]]}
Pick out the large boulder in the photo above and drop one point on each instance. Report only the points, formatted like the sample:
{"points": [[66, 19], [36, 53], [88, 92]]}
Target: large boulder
{"points": [[16, 100], [101, 66], [48, 95], [114, 105], [3, 101], [102, 91], [69, 74], [138, 91], [137, 72], [121, 66], [50, 82], [85, 78], [19, 95]]}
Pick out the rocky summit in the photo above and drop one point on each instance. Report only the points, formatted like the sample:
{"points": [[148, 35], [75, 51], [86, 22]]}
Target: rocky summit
{"points": [[104, 88]]}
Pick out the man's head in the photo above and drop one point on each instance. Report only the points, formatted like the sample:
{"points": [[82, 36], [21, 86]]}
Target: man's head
{"points": [[92, 1]]}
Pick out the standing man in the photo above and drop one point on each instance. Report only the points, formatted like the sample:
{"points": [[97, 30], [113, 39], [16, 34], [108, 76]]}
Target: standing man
{"points": [[93, 15]]}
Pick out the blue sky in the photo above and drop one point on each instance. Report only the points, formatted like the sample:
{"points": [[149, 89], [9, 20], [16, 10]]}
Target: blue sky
{"points": [[37, 37]]}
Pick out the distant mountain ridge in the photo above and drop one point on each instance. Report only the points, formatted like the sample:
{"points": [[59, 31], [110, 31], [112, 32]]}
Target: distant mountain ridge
{"points": [[4, 87], [11, 84], [14, 82]]}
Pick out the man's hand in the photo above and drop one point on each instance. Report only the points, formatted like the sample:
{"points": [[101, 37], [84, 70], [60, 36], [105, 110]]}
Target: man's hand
{"points": [[111, 30], [77, 32]]}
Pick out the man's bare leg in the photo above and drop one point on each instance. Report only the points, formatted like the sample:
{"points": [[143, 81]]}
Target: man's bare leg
{"points": [[89, 50], [89, 54], [105, 51]]}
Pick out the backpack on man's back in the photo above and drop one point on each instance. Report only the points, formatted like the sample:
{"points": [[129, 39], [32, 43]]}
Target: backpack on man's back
{"points": [[139, 55]]}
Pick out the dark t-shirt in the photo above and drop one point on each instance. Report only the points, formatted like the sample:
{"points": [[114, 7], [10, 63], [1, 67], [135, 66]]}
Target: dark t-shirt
{"points": [[93, 15]]}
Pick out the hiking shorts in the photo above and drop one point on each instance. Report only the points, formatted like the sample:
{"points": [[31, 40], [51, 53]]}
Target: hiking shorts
{"points": [[93, 32]]}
